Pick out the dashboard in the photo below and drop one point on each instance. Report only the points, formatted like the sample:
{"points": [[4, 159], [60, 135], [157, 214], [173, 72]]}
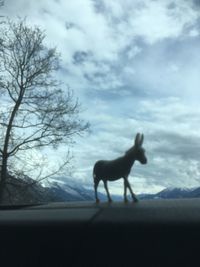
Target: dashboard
{"points": [[148, 233]]}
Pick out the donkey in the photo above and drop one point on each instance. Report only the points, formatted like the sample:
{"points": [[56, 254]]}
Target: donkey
{"points": [[111, 170]]}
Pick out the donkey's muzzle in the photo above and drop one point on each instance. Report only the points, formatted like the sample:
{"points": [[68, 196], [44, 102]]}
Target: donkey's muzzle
{"points": [[144, 161]]}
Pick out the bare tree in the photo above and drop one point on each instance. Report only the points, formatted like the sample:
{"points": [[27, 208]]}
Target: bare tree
{"points": [[1, 4], [35, 112]]}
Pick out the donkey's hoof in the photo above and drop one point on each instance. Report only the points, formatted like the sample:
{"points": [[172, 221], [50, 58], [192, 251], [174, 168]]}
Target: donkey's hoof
{"points": [[110, 200], [97, 201], [126, 200], [135, 200]]}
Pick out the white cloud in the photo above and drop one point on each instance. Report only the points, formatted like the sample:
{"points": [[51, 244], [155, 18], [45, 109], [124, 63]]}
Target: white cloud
{"points": [[140, 72], [107, 33], [194, 33], [169, 157]]}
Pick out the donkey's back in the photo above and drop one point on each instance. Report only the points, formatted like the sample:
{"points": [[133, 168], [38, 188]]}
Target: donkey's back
{"points": [[111, 170]]}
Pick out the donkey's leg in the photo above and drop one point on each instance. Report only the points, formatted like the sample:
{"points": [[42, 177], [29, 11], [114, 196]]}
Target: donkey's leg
{"points": [[131, 191], [125, 191], [106, 188], [96, 183]]}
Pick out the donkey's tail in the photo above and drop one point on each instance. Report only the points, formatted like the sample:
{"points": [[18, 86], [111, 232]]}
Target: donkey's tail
{"points": [[94, 176]]}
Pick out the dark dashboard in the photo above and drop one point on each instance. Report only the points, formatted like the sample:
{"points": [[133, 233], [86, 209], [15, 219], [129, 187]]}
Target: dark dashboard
{"points": [[149, 233]]}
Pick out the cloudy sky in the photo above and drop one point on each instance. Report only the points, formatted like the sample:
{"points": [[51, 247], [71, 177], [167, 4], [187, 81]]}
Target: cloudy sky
{"points": [[135, 67]]}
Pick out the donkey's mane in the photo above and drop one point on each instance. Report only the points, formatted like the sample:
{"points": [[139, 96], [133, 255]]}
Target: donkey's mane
{"points": [[130, 150]]}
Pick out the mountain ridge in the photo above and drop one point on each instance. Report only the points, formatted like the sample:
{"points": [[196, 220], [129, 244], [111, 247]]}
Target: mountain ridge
{"points": [[27, 191]]}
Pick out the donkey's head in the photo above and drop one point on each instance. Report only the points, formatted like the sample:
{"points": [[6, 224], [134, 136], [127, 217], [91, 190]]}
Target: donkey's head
{"points": [[139, 151]]}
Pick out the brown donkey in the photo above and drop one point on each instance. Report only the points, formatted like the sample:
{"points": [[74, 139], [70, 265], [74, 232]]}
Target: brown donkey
{"points": [[111, 170]]}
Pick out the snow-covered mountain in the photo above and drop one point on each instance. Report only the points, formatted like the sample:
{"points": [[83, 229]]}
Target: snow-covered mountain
{"points": [[74, 191], [172, 193], [26, 191]]}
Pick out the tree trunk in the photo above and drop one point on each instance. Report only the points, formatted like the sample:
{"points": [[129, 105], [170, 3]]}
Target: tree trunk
{"points": [[5, 154], [3, 176]]}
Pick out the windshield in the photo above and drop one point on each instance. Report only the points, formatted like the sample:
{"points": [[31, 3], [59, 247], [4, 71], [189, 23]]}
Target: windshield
{"points": [[99, 100]]}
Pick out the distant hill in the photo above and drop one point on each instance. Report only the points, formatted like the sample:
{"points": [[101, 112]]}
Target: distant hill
{"points": [[170, 193], [26, 191]]}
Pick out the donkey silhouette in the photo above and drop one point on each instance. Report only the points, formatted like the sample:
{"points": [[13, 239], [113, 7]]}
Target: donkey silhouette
{"points": [[112, 170]]}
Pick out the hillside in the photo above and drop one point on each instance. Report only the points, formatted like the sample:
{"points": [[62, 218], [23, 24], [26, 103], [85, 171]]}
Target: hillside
{"points": [[27, 191], [173, 193]]}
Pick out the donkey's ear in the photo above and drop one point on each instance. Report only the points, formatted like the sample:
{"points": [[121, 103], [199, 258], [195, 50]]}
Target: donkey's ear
{"points": [[141, 139], [137, 140]]}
